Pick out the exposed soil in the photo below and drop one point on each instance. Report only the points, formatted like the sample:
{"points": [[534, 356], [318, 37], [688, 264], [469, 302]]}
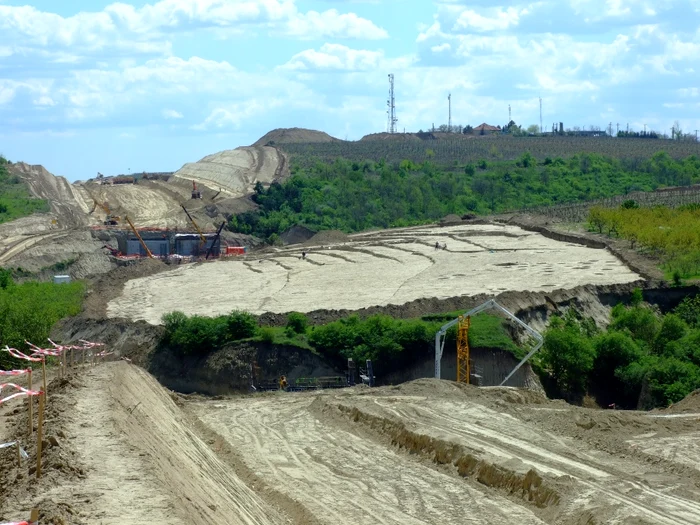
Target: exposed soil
{"points": [[294, 135], [327, 237]]}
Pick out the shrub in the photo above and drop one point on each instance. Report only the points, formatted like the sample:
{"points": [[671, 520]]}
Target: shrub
{"points": [[297, 322], [241, 325], [267, 335]]}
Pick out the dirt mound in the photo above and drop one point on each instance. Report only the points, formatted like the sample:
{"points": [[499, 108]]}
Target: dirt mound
{"points": [[297, 234], [327, 237], [451, 218], [690, 403], [294, 135]]}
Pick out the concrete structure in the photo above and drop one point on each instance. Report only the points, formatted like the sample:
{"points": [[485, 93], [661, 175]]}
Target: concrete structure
{"points": [[158, 247], [61, 279], [187, 244]]}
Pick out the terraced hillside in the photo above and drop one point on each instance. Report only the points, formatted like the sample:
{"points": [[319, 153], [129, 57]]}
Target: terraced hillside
{"points": [[378, 268]]}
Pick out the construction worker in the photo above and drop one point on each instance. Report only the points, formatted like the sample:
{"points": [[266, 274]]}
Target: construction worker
{"points": [[283, 383]]}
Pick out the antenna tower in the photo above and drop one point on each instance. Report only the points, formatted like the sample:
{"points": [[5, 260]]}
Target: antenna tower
{"points": [[509, 119], [391, 103], [449, 115], [541, 115]]}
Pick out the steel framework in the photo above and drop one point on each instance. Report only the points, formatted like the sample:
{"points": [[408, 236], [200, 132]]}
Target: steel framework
{"points": [[463, 371], [440, 336], [391, 104]]}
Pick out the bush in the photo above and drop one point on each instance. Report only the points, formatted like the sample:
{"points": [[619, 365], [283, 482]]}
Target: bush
{"points": [[241, 325], [193, 335], [28, 311], [267, 335], [297, 323]]}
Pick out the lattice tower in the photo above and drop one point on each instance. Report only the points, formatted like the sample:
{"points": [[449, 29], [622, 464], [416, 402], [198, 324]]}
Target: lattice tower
{"points": [[463, 370]]}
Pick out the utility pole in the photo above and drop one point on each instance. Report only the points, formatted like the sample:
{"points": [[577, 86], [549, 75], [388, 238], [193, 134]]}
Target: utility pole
{"points": [[449, 113], [540, 114], [391, 103]]}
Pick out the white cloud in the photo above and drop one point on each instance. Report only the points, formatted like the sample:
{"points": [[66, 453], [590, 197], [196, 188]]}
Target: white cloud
{"points": [[171, 114], [335, 56], [499, 19], [445, 46]]}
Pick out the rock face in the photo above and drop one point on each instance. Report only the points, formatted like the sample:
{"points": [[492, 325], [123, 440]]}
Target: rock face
{"points": [[236, 171]]}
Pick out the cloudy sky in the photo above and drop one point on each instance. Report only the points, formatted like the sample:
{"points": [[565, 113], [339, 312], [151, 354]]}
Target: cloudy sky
{"points": [[88, 86]]}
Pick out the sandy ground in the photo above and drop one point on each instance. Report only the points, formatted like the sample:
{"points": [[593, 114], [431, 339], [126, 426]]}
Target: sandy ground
{"points": [[336, 454], [138, 458], [389, 267]]}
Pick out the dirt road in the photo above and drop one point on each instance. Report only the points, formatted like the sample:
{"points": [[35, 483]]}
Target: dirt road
{"points": [[521, 459], [138, 460]]}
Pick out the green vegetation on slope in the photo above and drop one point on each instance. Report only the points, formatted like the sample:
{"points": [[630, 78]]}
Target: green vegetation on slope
{"points": [[643, 355], [391, 344], [671, 234], [466, 149], [29, 310], [15, 199], [354, 196]]}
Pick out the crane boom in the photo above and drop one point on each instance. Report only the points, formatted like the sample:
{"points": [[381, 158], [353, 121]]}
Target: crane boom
{"points": [[133, 229], [201, 235]]}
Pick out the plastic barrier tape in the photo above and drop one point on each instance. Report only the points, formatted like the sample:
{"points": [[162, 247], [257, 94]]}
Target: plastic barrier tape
{"points": [[19, 355], [22, 452], [13, 372]]}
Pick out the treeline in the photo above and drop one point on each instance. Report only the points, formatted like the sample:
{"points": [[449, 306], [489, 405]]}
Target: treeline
{"points": [[670, 234], [391, 344], [15, 199], [29, 310], [642, 356], [354, 196]]}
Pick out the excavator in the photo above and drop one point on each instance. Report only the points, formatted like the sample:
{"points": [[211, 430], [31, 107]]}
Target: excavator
{"points": [[110, 220], [196, 194]]}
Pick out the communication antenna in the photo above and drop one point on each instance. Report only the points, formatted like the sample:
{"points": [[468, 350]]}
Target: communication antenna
{"points": [[509, 119], [449, 115], [540, 114], [391, 103]]}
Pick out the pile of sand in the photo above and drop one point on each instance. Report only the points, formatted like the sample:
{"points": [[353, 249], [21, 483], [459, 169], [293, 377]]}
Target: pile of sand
{"points": [[327, 237], [451, 218], [690, 403], [297, 234]]}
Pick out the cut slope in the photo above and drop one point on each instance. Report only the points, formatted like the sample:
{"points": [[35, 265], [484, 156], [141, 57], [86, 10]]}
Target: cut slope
{"points": [[235, 172], [294, 135]]}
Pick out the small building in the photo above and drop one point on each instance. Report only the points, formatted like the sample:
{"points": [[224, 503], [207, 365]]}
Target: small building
{"points": [[190, 244], [486, 128], [61, 279]]}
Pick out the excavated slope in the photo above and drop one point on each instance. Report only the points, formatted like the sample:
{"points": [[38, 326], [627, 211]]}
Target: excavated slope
{"points": [[235, 172], [293, 136]]}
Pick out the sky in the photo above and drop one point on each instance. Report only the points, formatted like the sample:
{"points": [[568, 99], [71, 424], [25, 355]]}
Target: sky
{"points": [[118, 87]]}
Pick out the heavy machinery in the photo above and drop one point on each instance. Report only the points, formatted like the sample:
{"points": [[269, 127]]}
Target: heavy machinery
{"points": [[196, 194], [464, 322], [110, 220], [133, 229], [203, 242]]}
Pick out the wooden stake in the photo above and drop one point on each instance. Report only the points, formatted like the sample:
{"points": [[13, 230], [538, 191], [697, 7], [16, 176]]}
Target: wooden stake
{"points": [[71, 357], [83, 356], [34, 517], [43, 369], [31, 405], [19, 453], [40, 434]]}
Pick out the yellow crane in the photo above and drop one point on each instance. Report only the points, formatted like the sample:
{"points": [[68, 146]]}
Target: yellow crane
{"points": [[133, 229], [110, 219], [201, 235], [463, 349]]}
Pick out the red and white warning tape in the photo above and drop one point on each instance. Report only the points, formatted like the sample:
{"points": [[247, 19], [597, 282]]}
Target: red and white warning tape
{"points": [[42, 351], [103, 354], [19, 355], [13, 372], [22, 392], [17, 523], [88, 344]]}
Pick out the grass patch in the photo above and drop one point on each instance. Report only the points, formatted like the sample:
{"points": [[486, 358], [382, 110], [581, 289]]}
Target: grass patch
{"points": [[15, 199]]}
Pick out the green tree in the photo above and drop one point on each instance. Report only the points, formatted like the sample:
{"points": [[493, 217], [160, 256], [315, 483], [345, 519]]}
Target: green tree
{"points": [[241, 325]]}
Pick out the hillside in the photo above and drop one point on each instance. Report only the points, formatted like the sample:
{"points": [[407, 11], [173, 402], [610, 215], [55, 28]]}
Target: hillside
{"points": [[294, 136]]}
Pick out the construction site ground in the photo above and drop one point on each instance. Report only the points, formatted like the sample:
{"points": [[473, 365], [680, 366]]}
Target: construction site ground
{"points": [[122, 449], [376, 268]]}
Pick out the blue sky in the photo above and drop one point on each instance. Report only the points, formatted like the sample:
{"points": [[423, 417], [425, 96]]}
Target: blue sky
{"points": [[118, 86]]}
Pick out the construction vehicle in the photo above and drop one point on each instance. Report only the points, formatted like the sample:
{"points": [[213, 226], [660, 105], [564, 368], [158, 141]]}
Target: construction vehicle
{"points": [[110, 220], [196, 194]]}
